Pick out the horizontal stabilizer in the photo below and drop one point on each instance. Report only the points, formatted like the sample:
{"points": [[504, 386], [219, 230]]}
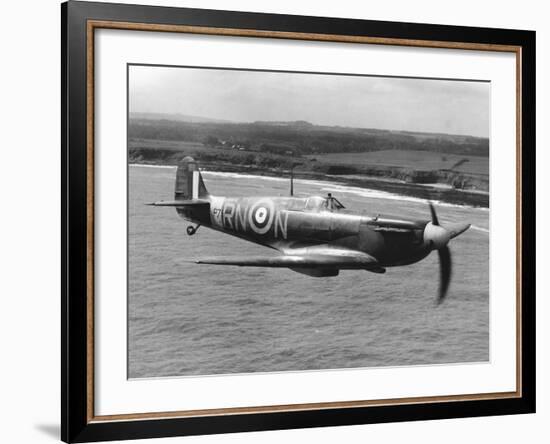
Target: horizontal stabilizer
{"points": [[181, 203], [355, 260]]}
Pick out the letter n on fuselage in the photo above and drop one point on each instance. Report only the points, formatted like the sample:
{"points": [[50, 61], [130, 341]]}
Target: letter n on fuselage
{"points": [[281, 224]]}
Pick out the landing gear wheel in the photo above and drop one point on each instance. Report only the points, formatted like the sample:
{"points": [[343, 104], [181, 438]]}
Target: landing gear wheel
{"points": [[192, 230]]}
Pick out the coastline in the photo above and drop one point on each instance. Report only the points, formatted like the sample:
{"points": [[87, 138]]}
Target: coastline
{"points": [[432, 192]]}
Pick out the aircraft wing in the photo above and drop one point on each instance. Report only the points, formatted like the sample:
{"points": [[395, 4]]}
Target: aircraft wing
{"points": [[304, 258]]}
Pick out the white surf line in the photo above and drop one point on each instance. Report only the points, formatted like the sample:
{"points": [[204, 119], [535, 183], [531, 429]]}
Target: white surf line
{"points": [[376, 194], [147, 165], [483, 230], [325, 186], [342, 188]]}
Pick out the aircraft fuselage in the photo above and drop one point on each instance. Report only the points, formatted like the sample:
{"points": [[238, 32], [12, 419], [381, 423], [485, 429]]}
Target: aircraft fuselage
{"points": [[292, 222], [313, 235]]}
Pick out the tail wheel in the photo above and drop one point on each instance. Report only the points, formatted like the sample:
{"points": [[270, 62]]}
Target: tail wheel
{"points": [[192, 230]]}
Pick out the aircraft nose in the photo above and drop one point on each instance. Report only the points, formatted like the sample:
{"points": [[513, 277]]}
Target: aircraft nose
{"points": [[436, 236]]}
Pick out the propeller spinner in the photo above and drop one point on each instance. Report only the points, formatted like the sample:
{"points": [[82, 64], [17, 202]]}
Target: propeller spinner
{"points": [[438, 237]]}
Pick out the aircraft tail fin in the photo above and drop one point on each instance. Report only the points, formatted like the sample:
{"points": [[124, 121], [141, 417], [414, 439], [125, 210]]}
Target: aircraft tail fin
{"points": [[189, 183]]}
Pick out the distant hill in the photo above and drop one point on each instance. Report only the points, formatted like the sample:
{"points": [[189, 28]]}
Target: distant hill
{"points": [[293, 123], [175, 118], [297, 137]]}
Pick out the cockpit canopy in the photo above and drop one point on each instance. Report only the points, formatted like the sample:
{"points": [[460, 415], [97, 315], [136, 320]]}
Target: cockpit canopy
{"points": [[315, 203], [319, 203]]}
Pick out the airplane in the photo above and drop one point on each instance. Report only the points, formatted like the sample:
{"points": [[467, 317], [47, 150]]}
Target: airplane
{"points": [[314, 235]]}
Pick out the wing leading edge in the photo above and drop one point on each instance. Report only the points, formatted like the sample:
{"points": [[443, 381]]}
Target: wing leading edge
{"points": [[328, 259]]}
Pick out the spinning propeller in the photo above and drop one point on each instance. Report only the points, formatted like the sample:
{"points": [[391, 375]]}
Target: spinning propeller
{"points": [[438, 237]]}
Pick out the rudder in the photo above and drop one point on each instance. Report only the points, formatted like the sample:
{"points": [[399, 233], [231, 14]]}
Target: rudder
{"points": [[189, 183]]}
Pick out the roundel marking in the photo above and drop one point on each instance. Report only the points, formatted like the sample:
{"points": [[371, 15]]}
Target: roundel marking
{"points": [[260, 216]]}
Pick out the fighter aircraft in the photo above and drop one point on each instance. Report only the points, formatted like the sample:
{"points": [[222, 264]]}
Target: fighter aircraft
{"points": [[312, 235]]}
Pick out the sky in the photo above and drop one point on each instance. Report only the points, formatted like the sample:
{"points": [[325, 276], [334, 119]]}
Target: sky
{"points": [[424, 105]]}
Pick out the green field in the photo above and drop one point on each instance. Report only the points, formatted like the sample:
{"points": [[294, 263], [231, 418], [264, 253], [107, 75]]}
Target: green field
{"points": [[417, 160], [403, 162], [169, 152], [175, 145]]}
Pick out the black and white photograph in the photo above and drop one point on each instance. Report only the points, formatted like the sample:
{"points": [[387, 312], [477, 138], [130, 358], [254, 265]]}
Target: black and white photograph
{"points": [[297, 221], [279, 221]]}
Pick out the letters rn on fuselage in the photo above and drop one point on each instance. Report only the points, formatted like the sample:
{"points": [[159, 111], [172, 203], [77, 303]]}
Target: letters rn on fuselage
{"points": [[280, 218], [263, 216]]}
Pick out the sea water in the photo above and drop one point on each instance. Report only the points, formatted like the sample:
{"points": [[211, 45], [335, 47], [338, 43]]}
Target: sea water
{"points": [[188, 319]]}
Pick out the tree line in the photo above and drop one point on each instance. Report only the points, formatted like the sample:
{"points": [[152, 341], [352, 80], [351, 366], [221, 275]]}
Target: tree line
{"points": [[299, 139]]}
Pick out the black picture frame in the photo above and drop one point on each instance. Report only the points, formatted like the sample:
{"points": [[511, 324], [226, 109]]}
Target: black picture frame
{"points": [[77, 424]]}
